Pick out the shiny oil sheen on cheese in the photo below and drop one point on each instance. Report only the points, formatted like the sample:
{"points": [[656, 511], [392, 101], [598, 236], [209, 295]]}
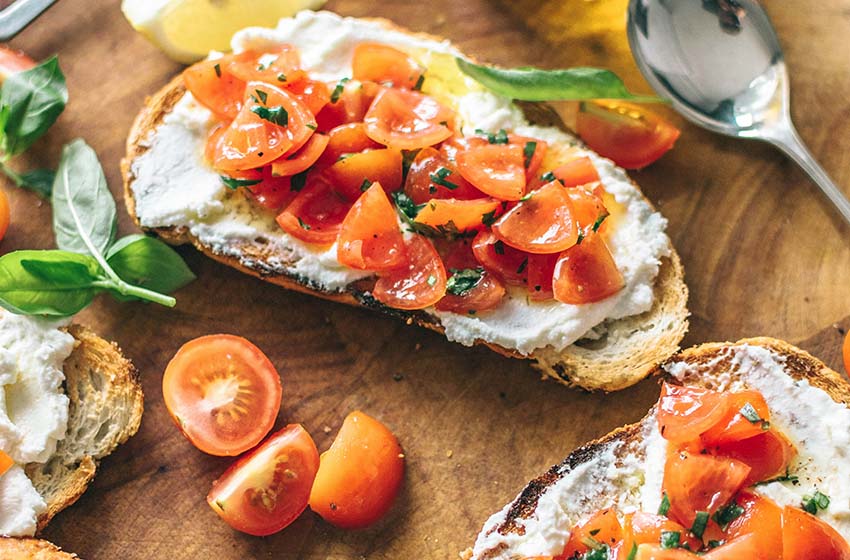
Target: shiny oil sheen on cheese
{"points": [[173, 186]]}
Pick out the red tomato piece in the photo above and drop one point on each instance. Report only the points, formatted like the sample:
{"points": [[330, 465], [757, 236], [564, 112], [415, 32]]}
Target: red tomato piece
{"points": [[587, 273], [12, 62], [735, 426], [541, 274], [316, 213], [486, 294], [493, 254], [5, 214], [761, 518], [267, 489], [654, 552], [602, 527], [277, 66], [544, 223], [533, 152], [419, 284], [347, 139], [315, 95], [360, 475], [215, 87], [684, 413], [370, 238], [695, 482], [380, 63], [495, 169], [270, 191], [588, 209], [302, 159], [349, 106], [767, 454], [349, 176], [579, 171], [407, 120], [430, 165], [645, 528], [805, 537], [6, 462], [746, 546], [222, 392], [463, 214], [625, 132]]}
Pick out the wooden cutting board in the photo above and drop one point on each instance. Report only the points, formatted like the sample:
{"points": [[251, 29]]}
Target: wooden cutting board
{"points": [[764, 255]]}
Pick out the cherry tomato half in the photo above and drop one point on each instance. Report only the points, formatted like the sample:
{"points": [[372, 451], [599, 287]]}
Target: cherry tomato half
{"points": [[805, 537], [349, 175], [495, 169], [685, 413], [544, 223], [302, 159], [370, 238], [587, 273], [602, 527], [432, 175], [418, 284], [215, 87], [380, 63], [407, 120], [316, 213]]}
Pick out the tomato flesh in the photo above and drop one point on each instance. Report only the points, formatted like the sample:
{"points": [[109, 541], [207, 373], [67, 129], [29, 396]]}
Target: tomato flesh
{"points": [[268, 489], [349, 176], [380, 63], [407, 120], [420, 283], [654, 552], [370, 238], [346, 139], [495, 169], [223, 393], [487, 292], [734, 426], [587, 273], [360, 475], [303, 159], [430, 166], [846, 352], [279, 66], [542, 224], [579, 171], [493, 254], [762, 518], [603, 527], [349, 107], [463, 215], [6, 462], [805, 537], [316, 213], [216, 88], [684, 413], [767, 454], [541, 274], [269, 191]]}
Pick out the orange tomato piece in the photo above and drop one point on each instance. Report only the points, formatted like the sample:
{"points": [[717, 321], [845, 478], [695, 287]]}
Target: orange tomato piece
{"points": [[316, 213], [315, 95], [212, 84], [302, 159], [493, 254], [419, 284], [486, 294], [349, 175], [587, 273], [805, 537], [746, 546], [645, 528], [6, 462], [579, 171], [360, 475], [767, 454], [588, 209], [277, 66], [541, 276], [407, 120], [269, 191], [463, 214], [654, 552], [5, 214], [350, 106], [495, 169], [735, 426], [602, 527], [684, 412], [347, 139], [429, 166], [370, 238], [544, 223], [761, 517], [380, 63], [533, 152]]}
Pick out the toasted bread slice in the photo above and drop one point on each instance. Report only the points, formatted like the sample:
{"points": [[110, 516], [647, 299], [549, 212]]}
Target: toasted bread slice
{"points": [[625, 353], [615, 470], [31, 549]]}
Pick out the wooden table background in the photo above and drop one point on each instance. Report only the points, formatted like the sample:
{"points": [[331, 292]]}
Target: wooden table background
{"points": [[764, 255]]}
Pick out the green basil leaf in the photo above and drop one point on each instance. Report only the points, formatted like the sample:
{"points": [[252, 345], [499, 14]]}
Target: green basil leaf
{"points": [[536, 84], [150, 263], [40, 181], [84, 216], [58, 283], [35, 98]]}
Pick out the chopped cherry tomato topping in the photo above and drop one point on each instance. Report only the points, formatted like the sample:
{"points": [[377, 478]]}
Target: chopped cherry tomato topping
{"points": [[6, 462], [347, 139], [587, 273], [302, 159], [270, 191], [507, 262], [760, 517], [746, 416], [533, 152], [5, 214], [579, 171], [541, 273], [645, 528], [215, 87], [588, 209], [407, 120], [267, 489], [349, 106], [12, 62], [685, 413], [486, 294], [805, 537], [360, 475], [279, 66], [349, 176], [370, 238], [222, 392], [655, 552], [602, 528], [746, 546], [315, 95], [419, 284], [543, 223], [495, 169], [767, 454], [380, 63], [625, 132], [315, 215], [462, 214], [431, 175]]}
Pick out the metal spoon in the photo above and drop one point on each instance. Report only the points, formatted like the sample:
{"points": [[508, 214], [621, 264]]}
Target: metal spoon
{"points": [[14, 18], [719, 62]]}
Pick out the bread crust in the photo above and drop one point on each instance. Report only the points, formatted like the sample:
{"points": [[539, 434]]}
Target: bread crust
{"points": [[31, 549]]}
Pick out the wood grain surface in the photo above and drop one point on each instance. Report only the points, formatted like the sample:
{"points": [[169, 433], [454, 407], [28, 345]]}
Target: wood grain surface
{"points": [[764, 255]]}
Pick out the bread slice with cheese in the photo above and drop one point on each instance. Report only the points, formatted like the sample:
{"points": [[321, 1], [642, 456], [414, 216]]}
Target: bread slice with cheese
{"points": [[809, 403], [32, 549], [608, 354]]}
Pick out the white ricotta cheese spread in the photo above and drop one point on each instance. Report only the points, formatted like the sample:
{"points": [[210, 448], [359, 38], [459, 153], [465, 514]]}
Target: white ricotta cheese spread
{"points": [[174, 187]]}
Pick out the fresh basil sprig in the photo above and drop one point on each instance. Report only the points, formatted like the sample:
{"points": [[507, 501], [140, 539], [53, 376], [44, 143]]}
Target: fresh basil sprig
{"points": [[89, 260], [536, 84]]}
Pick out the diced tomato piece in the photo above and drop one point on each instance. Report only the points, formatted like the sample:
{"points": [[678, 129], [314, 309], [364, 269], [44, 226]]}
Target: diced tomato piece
{"points": [[457, 144], [252, 141], [381, 63], [735, 426], [645, 528], [588, 209], [684, 412], [462, 214], [541, 274], [486, 294], [213, 138], [746, 546], [627, 133], [407, 120], [370, 238], [805, 537], [767, 454], [543, 223], [419, 284], [277, 66], [603, 527], [429, 166], [6, 462], [695, 482], [316, 213], [347, 139], [350, 105], [762, 518], [493, 254], [349, 175], [494, 169], [270, 191], [215, 87], [315, 95], [579, 171], [654, 552], [302, 159], [533, 152], [587, 273]]}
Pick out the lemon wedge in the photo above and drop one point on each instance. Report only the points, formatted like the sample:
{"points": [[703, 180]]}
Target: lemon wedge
{"points": [[187, 30]]}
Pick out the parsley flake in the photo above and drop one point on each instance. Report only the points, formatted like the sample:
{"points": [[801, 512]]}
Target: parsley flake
{"points": [[727, 514], [232, 183], [261, 95], [303, 225], [419, 82], [462, 281], [439, 178], [813, 504], [217, 69], [281, 77], [548, 177], [297, 182], [700, 523], [670, 539], [528, 152], [489, 218], [364, 186], [275, 115], [340, 86], [665, 505]]}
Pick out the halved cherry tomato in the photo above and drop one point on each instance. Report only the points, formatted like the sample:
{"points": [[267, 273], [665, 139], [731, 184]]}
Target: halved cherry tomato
{"points": [[734, 426], [213, 138], [695, 482], [463, 214], [280, 65], [272, 192], [685, 412], [370, 238], [222, 392], [579, 171], [846, 351], [767, 454], [805, 537], [746, 546], [5, 214], [544, 223], [12, 62], [533, 152], [381, 63], [541, 274], [509, 263], [486, 294], [587, 273], [654, 552], [407, 120], [346, 139], [419, 284], [6, 462], [625, 132], [267, 489], [360, 475], [588, 208], [350, 105], [430, 165], [349, 175], [215, 87], [761, 517], [301, 160], [253, 141], [603, 528], [316, 213], [494, 169], [315, 95], [645, 528]]}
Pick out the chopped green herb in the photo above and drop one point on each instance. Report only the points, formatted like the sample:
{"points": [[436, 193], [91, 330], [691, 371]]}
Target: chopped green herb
{"points": [[275, 115], [814, 503], [462, 281], [340, 86], [594, 532], [522, 266], [439, 178], [312, 126], [580, 237], [665, 505], [787, 477], [261, 95], [407, 157], [263, 66], [598, 223], [432, 280], [548, 177], [633, 552], [727, 514], [700, 523], [232, 183], [217, 69], [528, 152], [419, 82], [670, 539], [281, 77], [364, 186], [298, 181], [303, 225], [489, 218], [406, 205], [500, 137], [527, 196], [749, 412], [499, 247], [715, 543]]}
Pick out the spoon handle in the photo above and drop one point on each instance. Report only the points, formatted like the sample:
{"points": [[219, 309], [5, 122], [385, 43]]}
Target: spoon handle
{"points": [[792, 145]]}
